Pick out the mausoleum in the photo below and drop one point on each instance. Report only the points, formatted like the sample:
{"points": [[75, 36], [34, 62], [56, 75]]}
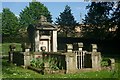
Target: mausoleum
{"points": [[46, 36]]}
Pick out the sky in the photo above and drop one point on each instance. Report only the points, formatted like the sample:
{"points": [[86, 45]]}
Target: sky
{"points": [[54, 7]]}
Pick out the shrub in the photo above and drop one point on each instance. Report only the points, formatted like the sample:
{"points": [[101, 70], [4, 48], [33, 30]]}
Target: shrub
{"points": [[105, 62]]}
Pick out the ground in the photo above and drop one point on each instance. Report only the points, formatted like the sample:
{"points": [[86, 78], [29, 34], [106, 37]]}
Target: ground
{"points": [[12, 71]]}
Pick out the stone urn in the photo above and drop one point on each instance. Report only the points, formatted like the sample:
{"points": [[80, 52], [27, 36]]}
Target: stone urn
{"points": [[25, 46], [12, 47]]}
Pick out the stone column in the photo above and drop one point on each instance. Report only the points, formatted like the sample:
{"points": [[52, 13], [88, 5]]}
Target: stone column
{"points": [[69, 48], [54, 42], [37, 41], [49, 47]]}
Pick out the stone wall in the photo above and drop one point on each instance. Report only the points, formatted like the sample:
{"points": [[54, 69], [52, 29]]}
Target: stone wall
{"points": [[72, 61]]}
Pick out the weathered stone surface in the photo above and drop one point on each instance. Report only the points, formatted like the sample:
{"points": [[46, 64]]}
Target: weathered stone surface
{"points": [[70, 63], [80, 45], [46, 35], [96, 59], [69, 47], [112, 63], [94, 47]]}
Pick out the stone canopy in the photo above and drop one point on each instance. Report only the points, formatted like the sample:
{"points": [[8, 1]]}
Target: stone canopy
{"points": [[44, 25]]}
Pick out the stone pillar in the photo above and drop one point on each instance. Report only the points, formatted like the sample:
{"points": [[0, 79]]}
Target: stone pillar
{"points": [[69, 48], [12, 49], [80, 46], [94, 47], [96, 60], [10, 56], [54, 42], [49, 47], [26, 59], [37, 41], [112, 63], [70, 63]]}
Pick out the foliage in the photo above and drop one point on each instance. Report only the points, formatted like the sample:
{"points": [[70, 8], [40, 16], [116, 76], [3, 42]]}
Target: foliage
{"points": [[53, 63], [5, 47], [116, 18], [31, 36], [104, 63], [0, 23], [39, 62], [12, 71], [66, 20], [31, 14], [10, 25], [98, 19]]}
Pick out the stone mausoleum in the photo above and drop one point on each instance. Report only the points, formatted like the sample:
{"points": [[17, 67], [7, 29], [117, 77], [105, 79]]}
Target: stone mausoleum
{"points": [[46, 36]]}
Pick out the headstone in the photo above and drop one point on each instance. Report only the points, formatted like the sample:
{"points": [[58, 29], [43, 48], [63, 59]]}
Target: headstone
{"points": [[69, 47]]}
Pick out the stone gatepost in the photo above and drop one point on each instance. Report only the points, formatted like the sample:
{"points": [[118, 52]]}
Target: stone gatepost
{"points": [[69, 48], [12, 49], [80, 46], [26, 58], [96, 60], [70, 63], [94, 47]]}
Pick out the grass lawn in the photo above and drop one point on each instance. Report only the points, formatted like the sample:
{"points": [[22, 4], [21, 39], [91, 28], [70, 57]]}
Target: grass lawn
{"points": [[12, 71], [4, 47]]}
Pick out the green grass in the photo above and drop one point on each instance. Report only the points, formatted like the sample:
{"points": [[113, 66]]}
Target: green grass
{"points": [[4, 47], [12, 71]]}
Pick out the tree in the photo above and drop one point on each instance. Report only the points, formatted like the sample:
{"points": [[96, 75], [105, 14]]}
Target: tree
{"points": [[116, 19], [31, 14], [31, 36], [98, 19], [0, 23], [10, 25], [66, 20]]}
